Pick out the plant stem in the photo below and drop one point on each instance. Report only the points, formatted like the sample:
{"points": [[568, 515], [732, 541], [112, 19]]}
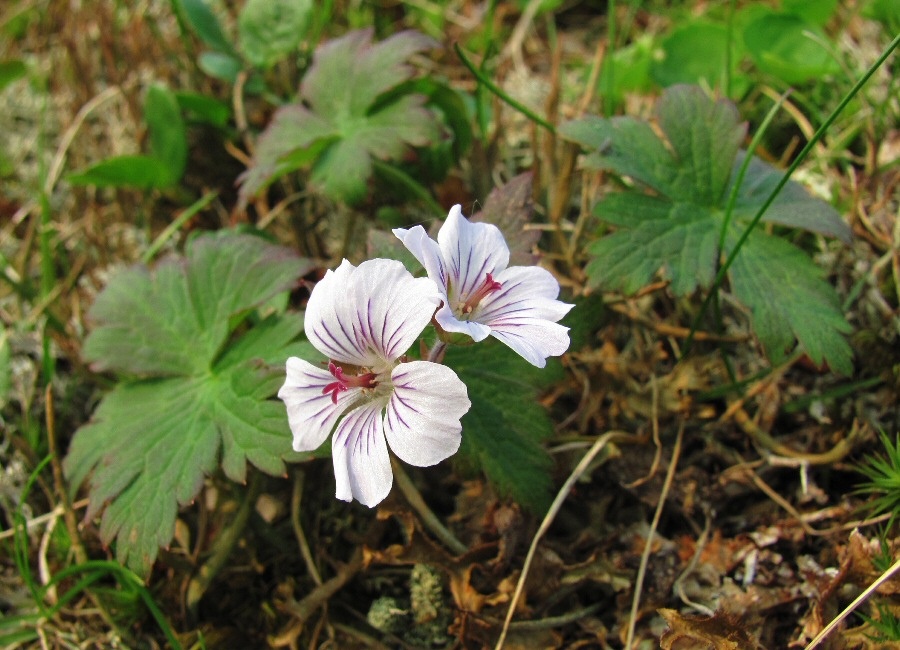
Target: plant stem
{"points": [[222, 547], [494, 88], [429, 519]]}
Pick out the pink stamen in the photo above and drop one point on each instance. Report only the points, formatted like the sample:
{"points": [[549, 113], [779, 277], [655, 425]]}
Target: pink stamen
{"points": [[488, 286], [344, 382]]}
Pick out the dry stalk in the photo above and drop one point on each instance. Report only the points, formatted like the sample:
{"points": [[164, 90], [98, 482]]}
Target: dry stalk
{"points": [[884, 577], [581, 468], [645, 556]]}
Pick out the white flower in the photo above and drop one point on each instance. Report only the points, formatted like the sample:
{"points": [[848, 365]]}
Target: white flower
{"points": [[482, 297], [364, 319]]}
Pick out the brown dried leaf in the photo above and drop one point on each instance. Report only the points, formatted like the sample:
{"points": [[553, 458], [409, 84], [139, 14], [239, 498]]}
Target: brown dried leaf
{"points": [[718, 632], [510, 208]]}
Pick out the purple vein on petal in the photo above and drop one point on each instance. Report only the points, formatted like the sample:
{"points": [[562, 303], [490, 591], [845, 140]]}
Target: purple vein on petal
{"points": [[336, 345]]}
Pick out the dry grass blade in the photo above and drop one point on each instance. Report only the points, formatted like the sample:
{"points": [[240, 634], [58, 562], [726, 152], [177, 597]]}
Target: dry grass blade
{"points": [[576, 474], [828, 629], [645, 556]]}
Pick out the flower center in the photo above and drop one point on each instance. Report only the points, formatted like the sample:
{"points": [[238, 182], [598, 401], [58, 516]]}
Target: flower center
{"points": [[487, 287], [366, 380]]}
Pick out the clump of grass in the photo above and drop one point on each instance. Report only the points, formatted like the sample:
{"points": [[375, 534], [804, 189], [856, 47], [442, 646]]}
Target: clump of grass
{"points": [[883, 474]]}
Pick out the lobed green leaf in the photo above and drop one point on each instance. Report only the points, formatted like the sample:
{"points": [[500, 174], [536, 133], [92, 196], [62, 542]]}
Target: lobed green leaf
{"points": [[693, 166], [504, 428], [788, 299], [200, 403], [269, 30], [342, 126]]}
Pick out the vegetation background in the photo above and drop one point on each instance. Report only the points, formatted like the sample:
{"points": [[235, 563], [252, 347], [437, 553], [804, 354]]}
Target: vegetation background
{"points": [[713, 464]]}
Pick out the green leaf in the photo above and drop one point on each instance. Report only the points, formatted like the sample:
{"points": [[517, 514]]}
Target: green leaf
{"points": [[168, 137], [192, 401], [503, 430], [788, 299], [680, 239], [793, 206], [174, 319], [141, 172], [789, 48], [203, 21], [630, 69], [816, 12], [677, 230], [696, 53], [203, 108], [269, 30], [219, 65], [340, 127]]}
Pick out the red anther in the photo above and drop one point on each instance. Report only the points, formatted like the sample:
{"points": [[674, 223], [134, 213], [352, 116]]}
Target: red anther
{"points": [[366, 380], [488, 286]]}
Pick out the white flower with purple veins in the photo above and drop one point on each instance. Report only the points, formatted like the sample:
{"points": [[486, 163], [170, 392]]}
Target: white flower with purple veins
{"points": [[482, 297], [364, 319]]}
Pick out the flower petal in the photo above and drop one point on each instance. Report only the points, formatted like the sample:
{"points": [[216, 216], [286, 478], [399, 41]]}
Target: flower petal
{"points": [[311, 414], [524, 291], [534, 339], [421, 420], [450, 323], [470, 252], [362, 466], [392, 306], [371, 314], [328, 319], [427, 251]]}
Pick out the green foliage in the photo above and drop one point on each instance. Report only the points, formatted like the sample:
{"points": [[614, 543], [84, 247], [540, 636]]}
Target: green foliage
{"points": [[268, 30], [883, 474], [685, 227], [200, 18], [203, 109], [630, 69], [886, 627], [697, 53], [788, 47], [339, 123], [10, 71], [129, 589], [195, 378], [165, 164], [885, 11], [504, 429]]}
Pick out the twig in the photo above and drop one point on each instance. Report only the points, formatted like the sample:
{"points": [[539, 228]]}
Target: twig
{"points": [[765, 440], [303, 609], [645, 556], [494, 88], [41, 519], [884, 577], [513, 47], [550, 622], [678, 587], [580, 469], [429, 519]]}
